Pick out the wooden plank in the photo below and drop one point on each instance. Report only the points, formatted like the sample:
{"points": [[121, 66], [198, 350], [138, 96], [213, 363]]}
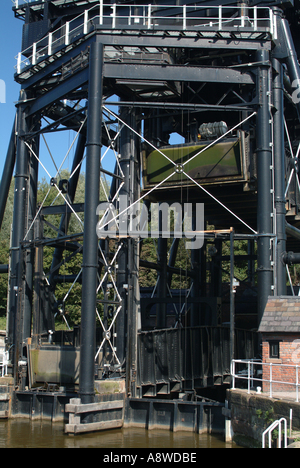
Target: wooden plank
{"points": [[92, 427], [4, 396], [94, 407]]}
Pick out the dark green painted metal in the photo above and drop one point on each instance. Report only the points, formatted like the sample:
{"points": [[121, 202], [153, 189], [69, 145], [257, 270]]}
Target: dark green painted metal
{"points": [[220, 162]]}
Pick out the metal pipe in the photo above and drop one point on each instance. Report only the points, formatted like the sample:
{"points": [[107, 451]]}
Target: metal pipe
{"points": [[292, 231], [7, 172], [290, 58], [128, 256], [3, 269], [90, 240], [18, 231], [264, 162], [29, 254], [279, 174], [232, 292], [161, 313], [290, 258], [122, 277]]}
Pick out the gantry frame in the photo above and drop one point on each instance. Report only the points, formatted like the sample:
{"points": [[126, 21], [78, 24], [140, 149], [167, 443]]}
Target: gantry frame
{"points": [[161, 63]]}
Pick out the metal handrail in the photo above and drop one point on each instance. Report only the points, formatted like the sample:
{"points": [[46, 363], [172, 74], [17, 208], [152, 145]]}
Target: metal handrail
{"points": [[250, 376], [65, 35], [4, 362], [271, 428]]}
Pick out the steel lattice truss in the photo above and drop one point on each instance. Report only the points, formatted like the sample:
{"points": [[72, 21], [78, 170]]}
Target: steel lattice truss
{"points": [[164, 71]]}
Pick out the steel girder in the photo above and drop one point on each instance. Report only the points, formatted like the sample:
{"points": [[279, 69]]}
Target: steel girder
{"points": [[54, 89]]}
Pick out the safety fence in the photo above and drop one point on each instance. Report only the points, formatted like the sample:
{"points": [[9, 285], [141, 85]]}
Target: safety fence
{"points": [[149, 17], [269, 377]]}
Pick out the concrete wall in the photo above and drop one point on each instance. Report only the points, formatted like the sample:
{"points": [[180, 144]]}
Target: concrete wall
{"points": [[252, 414]]}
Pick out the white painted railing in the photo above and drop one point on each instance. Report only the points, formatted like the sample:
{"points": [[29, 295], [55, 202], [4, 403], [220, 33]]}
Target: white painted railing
{"points": [[271, 428], [128, 17], [254, 372], [4, 362]]}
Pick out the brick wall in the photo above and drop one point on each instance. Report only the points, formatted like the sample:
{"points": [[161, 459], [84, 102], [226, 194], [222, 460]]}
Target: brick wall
{"points": [[289, 353]]}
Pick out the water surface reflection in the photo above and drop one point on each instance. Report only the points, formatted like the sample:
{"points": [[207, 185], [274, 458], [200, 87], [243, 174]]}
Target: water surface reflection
{"points": [[21, 433]]}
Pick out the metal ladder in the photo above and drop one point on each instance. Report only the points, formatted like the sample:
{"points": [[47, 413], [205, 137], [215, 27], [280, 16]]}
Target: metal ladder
{"points": [[269, 431]]}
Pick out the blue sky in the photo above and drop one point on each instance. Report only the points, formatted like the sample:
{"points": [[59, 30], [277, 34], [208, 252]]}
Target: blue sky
{"points": [[59, 143], [10, 45]]}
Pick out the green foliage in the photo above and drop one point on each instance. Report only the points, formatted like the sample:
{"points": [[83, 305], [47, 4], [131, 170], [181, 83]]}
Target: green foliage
{"points": [[71, 264], [268, 417], [148, 276], [240, 266], [3, 278], [4, 254]]}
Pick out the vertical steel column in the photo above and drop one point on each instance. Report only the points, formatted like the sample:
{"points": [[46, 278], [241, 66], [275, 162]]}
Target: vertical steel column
{"points": [[29, 253], [286, 49], [161, 310], [7, 172], [122, 277], [128, 257], [133, 263], [264, 162], [18, 231], [90, 240], [196, 289], [279, 175], [38, 276], [133, 312], [232, 299]]}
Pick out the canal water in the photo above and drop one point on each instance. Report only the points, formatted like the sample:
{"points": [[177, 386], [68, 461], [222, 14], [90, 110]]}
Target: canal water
{"points": [[21, 433]]}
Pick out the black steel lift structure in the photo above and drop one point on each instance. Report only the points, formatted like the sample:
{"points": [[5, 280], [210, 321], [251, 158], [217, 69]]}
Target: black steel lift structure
{"points": [[123, 78]]}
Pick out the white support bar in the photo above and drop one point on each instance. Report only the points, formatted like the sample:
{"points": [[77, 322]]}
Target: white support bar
{"points": [[129, 16], [297, 383], [50, 43], [33, 61], [149, 16], [271, 21], [184, 18], [233, 373], [275, 35], [86, 20], [255, 18], [114, 9], [220, 17], [271, 394], [19, 62], [249, 374], [101, 12], [67, 40]]}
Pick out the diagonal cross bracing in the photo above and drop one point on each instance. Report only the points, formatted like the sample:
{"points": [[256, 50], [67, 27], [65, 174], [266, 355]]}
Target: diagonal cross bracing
{"points": [[182, 171]]}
